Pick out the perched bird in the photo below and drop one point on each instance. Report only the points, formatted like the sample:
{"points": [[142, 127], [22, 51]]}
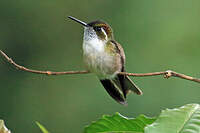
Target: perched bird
{"points": [[105, 57]]}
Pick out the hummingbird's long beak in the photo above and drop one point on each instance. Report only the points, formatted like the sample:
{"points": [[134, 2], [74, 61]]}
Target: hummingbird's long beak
{"points": [[79, 21]]}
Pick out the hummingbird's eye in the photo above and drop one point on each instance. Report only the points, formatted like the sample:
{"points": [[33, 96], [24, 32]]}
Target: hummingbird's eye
{"points": [[97, 28]]}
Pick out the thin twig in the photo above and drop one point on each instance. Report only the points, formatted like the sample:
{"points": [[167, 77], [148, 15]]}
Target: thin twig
{"points": [[166, 74], [38, 71]]}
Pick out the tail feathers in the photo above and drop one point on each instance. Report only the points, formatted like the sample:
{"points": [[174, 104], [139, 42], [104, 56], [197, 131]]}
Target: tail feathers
{"points": [[130, 86], [114, 90], [119, 87]]}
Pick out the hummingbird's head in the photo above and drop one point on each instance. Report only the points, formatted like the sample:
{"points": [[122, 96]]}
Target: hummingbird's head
{"points": [[96, 30]]}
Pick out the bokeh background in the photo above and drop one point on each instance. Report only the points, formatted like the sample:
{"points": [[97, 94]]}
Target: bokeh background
{"points": [[156, 36]]}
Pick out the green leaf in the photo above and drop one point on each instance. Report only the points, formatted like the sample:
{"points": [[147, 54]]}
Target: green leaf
{"points": [[3, 128], [185, 119], [119, 124], [43, 129]]}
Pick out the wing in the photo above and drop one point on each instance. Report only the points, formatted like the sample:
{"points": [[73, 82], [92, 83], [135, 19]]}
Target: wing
{"points": [[120, 51], [126, 83], [121, 78], [113, 88]]}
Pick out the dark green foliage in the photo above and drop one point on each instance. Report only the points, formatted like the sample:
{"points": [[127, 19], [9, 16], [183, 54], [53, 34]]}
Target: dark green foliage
{"points": [[185, 119], [119, 123]]}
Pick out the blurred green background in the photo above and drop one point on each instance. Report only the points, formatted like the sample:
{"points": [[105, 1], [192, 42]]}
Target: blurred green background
{"points": [[156, 36]]}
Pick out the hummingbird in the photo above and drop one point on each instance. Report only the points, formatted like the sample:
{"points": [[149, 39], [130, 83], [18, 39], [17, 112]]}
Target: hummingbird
{"points": [[105, 57]]}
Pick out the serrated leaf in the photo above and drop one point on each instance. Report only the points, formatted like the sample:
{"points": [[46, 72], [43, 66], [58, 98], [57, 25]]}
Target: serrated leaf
{"points": [[42, 128], [3, 128], [119, 124], [185, 119]]}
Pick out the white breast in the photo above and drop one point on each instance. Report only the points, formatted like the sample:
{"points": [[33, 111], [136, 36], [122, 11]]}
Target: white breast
{"points": [[93, 52], [94, 46], [96, 59]]}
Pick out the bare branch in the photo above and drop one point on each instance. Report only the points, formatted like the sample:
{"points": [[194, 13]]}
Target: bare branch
{"points": [[38, 71], [166, 74]]}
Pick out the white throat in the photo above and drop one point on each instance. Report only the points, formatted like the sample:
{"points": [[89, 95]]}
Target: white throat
{"points": [[94, 45], [91, 42]]}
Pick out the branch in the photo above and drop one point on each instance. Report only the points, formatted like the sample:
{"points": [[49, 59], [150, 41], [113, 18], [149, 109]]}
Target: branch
{"points": [[166, 74], [38, 71]]}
